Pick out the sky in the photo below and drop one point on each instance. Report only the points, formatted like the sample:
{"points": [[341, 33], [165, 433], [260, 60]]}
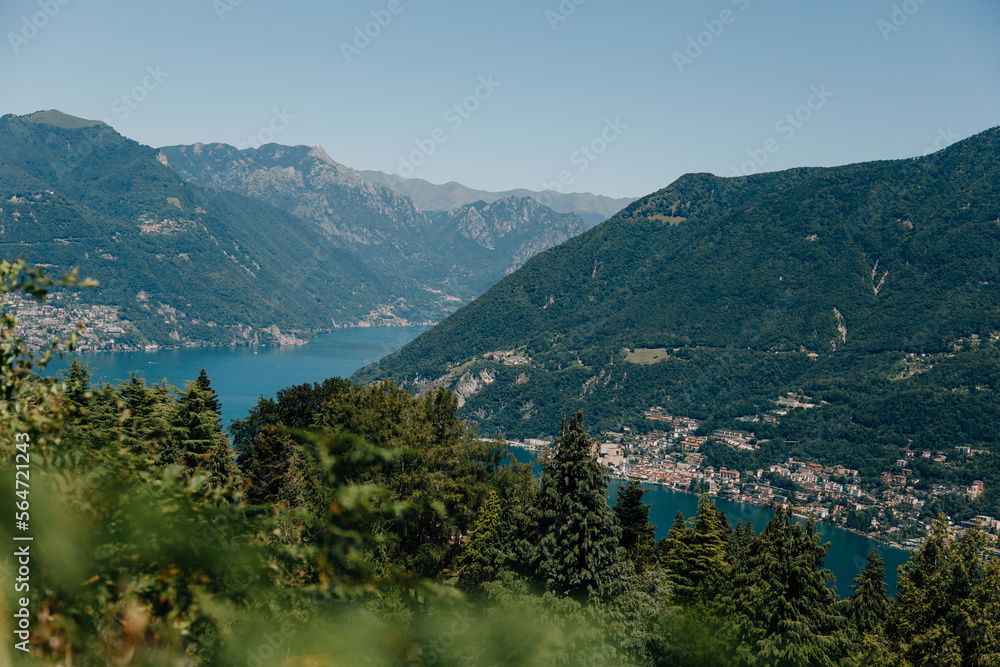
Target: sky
{"points": [[615, 98]]}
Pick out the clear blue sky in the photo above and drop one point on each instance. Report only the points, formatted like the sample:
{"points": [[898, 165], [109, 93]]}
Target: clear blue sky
{"points": [[930, 71]]}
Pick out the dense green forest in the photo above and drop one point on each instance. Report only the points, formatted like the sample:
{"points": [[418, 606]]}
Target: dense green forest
{"points": [[339, 523]]}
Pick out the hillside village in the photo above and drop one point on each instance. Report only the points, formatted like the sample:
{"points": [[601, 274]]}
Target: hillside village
{"points": [[889, 511], [61, 314]]}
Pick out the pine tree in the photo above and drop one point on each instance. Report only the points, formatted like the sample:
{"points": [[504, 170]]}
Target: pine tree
{"points": [[946, 606], [269, 466], [211, 398], [578, 547], [638, 534], [696, 559], [221, 465], [195, 429], [673, 540], [296, 488], [785, 614], [483, 558], [140, 404], [79, 384], [868, 606]]}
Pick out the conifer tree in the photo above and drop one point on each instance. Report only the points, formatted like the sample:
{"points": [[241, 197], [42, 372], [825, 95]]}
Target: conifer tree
{"points": [[946, 606], [695, 559], [195, 428], [784, 612], [79, 383], [578, 547], [483, 557], [269, 467], [211, 398], [638, 534], [868, 606], [221, 465], [673, 540]]}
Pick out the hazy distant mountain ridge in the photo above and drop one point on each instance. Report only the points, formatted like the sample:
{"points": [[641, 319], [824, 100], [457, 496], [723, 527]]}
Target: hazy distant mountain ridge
{"points": [[431, 197], [490, 240]]}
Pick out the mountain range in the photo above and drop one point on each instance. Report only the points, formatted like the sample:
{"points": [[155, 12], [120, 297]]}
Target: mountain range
{"points": [[451, 195], [458, 253], [207, 244], [872, 288], [182, 263]]}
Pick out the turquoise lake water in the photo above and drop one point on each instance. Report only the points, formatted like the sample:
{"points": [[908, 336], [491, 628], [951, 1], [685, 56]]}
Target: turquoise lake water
{"points": [[240, 375]]}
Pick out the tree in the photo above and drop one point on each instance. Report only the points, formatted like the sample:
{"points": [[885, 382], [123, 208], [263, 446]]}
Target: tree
{"points": [[696, 555], [211, 398], [947, 611], [78, 379], [483, 557], [578, 546], [269, 468], [195, 430], [638, 534], [784, 613], [673, 540], [868, 606]]}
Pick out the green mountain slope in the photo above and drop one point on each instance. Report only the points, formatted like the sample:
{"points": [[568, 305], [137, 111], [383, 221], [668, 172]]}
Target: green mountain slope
{"points": [[182, 263], [817, 280]]}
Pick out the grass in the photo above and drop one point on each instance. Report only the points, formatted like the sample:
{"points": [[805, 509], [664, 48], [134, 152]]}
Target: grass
{"points": [[645, 355]]}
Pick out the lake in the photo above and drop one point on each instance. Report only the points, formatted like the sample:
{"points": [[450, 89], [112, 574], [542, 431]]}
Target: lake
{"points": [[240, 375], [846, 558]]}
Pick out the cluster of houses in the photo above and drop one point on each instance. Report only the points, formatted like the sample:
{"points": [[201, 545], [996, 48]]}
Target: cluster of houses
{"points": [[671, 457], [507, 357], [59, 316]]}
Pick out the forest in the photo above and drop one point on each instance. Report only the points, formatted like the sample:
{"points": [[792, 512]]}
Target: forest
{"points": [[340, 523]]}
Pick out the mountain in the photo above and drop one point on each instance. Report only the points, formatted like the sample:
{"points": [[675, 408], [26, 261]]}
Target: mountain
{"points": [[182, 264], [456, 254], [481, 242], [872, 288], [308, 183], [451, 195]]}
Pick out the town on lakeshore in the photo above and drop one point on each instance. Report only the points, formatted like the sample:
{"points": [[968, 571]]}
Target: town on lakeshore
{"points": [[888, 511], [62, 314]]}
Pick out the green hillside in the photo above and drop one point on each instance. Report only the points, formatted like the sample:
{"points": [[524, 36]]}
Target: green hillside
{"points": [[814, 280], [183, 263], [56, 118]]}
